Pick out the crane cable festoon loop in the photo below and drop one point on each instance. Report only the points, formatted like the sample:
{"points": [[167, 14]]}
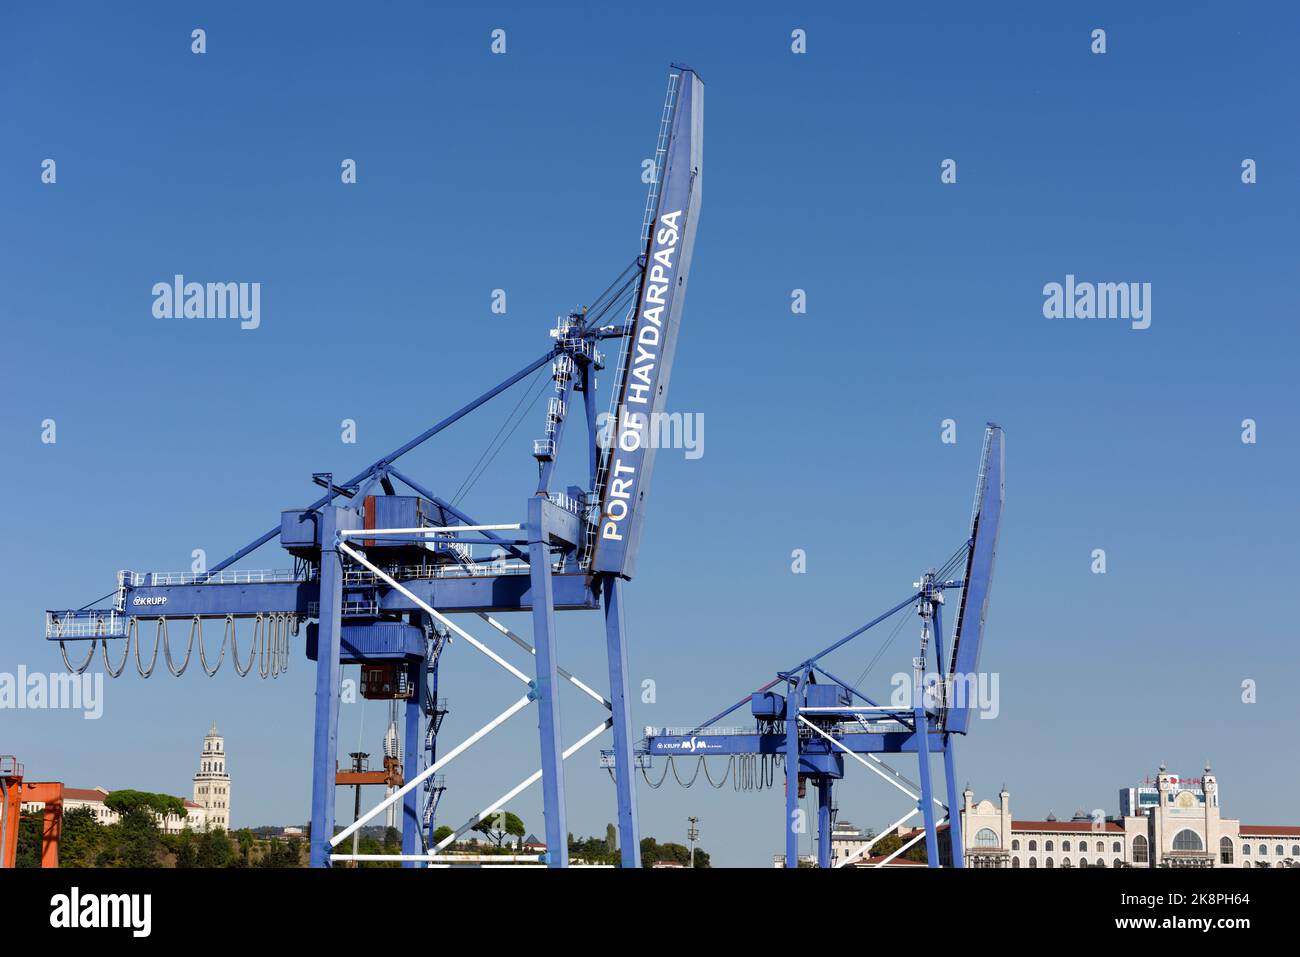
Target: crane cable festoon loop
{"points": [[271, 634], [261, 639], [103, 645], [203, 657], [231, 628], [133, 631], [167, 650], [63, 650]]}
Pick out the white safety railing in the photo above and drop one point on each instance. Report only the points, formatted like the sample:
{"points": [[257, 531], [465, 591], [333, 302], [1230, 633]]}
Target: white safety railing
{"points": [[85, 624], [362, 576], [653, 732], [228, 576]]}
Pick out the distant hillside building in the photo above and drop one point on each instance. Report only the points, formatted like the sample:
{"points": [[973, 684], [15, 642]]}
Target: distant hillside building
{"points": [[212, 783], [93, 798], [209, 810], [1169, 822]]}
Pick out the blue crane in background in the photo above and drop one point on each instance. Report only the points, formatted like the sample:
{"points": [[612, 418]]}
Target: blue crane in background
{"points": [[380, 561], [808, 712]]}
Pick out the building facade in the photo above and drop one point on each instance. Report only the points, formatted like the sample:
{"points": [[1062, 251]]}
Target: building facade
{"points": [[212, 782], [93, 798], [1169, 822], [209, 810]]}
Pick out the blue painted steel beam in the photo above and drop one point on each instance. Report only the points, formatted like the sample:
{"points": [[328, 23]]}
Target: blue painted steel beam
{"points": [[926, 801], [629, 833], [457, 513], [501, 593], [893, 742], [824, 822], [396, 454], [869, 625], [329, 674], [547, 689], [411, 751], [954, 803], [643, 390], [792, 820], [973, 613], [846, 685]]}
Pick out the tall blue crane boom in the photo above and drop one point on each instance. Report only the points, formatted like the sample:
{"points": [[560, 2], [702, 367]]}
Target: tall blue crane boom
{"points": [[822, 723], [623, 479], [986, 519], [377, 572]]}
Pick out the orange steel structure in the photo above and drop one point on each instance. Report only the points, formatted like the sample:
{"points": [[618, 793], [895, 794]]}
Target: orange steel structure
{"points": [[14, 793]]}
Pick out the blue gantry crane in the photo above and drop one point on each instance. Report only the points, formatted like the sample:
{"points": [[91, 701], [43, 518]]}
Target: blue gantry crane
{"points": [[808, 712], [381, 562]]}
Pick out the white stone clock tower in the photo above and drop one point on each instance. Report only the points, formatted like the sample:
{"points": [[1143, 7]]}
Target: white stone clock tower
{"points": [[212, 783]]}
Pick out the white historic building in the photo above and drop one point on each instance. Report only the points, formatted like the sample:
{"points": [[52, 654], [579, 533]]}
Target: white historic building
{"points": [[93, 798], [1168, 822], [212, 783], [210, 808]]}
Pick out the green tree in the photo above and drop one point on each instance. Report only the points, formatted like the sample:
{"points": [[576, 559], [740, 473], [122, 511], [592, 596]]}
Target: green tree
{"points": [[128, 800], [215, 849], [652, 851], [82, 838], [500, 825], [185, 856], [29, 843], [279, 854], [246, 842], [442, 832], [892, 842], [134, 839]]}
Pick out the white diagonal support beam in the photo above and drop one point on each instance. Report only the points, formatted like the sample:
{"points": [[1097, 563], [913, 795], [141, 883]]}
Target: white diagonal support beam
{"points": [[919, 836], [876, 840], [870, 767], [519, 788], [437, 615], [568, 676], [431, 769]]}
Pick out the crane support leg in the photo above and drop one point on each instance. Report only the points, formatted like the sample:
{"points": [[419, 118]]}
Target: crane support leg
{"points": [[793, 825], [824, 822], [329, 675], [547, 688], [629, 834], [954, 806], [411, 765], [927, 788]]}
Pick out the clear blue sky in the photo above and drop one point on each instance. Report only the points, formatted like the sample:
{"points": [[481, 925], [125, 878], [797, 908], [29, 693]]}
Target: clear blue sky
{"points": [[522, 172]]}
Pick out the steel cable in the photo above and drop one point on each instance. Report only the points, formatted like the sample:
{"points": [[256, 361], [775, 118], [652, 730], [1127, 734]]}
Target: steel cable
{"points": [[234, 648], [63, 650], [203, 656], [167, 650], [103, 644], [133, 631]]}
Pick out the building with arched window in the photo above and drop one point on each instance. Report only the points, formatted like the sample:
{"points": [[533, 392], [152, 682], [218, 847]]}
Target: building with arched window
{"points": [[1170, 821], [212, 783]]}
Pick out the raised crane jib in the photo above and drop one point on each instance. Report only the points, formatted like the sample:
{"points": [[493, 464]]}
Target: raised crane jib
{"points": [[987, 516], [623, 477]]}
